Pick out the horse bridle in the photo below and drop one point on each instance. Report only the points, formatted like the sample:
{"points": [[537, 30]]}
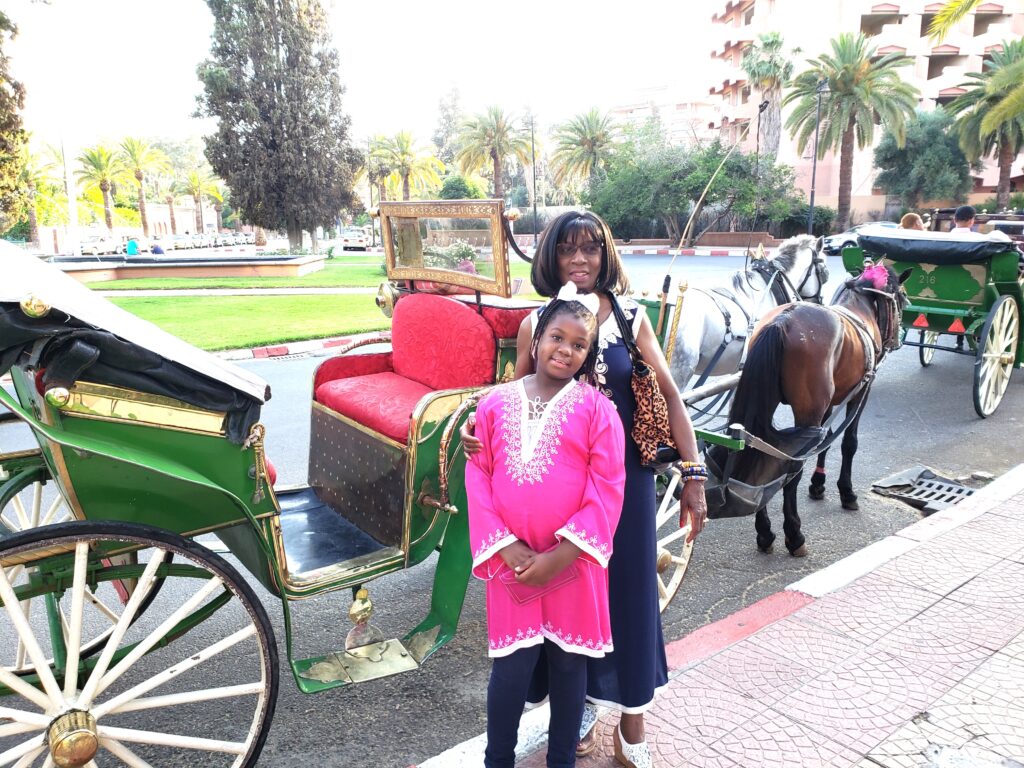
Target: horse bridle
{"points": [[820, 270], [888, 316], [817, 267]]}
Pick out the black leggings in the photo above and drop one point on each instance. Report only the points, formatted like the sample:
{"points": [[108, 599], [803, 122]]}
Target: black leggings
{"points": [[506, 695]]}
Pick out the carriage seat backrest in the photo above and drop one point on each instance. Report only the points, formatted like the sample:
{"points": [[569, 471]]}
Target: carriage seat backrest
{"points": [[441, 343], [436, 342]]}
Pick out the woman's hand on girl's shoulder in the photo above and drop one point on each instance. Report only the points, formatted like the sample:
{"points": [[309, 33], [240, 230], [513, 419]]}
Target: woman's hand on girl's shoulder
{"points": [[470, 443]]}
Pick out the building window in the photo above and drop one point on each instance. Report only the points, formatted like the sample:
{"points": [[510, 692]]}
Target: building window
{"points": [[937, 64], [983, 21], [926, 23]]}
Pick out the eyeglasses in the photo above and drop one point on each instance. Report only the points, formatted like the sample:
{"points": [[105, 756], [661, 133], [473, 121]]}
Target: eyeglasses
{"points": [[590, 248]]}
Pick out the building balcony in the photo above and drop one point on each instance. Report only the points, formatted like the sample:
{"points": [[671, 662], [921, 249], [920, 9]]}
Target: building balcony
{"points": [[736, 12], [729, 86]]}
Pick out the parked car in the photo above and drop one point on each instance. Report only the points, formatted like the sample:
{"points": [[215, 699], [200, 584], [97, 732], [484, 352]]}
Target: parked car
{"points": [[835, 243], [249, 237], [181, 241], [202, 240], [354, 238], [95, 245]]}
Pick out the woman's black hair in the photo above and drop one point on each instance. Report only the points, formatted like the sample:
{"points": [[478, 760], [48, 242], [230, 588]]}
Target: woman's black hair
{"points": [[576, 226], [585, 316]]}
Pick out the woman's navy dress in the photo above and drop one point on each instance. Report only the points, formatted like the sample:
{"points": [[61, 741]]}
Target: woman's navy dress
{"points": [[627, 678]]}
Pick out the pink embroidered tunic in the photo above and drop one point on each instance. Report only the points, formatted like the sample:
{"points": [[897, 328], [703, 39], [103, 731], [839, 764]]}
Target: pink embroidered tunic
{"points": [[560, 476]]}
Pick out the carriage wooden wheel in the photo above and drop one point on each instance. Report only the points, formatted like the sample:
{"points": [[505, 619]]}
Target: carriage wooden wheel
{"points": [[673, 549], [994, 362], [927, 353], [143, 700]]}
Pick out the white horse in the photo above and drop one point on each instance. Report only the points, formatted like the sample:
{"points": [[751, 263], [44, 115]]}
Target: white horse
{"points": [[714, 322]]}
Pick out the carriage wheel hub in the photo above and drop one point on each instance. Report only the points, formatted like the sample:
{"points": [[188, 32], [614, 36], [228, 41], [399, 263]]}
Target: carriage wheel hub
{"points": [[74, 740], [664, 560]]}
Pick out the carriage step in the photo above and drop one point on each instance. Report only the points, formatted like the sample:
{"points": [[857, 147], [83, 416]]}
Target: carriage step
{"points": [[358, 665], [924, 489]]}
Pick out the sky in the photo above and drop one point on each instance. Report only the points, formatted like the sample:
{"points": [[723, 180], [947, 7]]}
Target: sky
{"points": [[100, 70]]}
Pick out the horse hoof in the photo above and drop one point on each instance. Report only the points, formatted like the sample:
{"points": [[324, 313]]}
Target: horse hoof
{"points": [[816, 492], [800, 551], [850, 504], [766, 550]]}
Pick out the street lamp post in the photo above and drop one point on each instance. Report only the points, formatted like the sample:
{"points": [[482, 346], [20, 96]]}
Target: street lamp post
{"points": [[821, 89], [369, 179], [533, 167]]}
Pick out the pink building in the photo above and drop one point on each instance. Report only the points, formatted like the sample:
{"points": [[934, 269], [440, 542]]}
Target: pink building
{"points": [[937, 70]]}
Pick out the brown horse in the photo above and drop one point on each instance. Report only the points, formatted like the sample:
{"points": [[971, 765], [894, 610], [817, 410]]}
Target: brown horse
{"points": [[814, 359]]}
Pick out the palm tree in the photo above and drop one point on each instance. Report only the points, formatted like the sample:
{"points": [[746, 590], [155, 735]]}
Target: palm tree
{"points": [[164, 187], [38, 176], [1012, 86], [198, 183], [863, 89], [139, 159], [216, 195], [491, 137], [410, 165], [769, 68], [985, 93], [100, 168], [583, 146]]}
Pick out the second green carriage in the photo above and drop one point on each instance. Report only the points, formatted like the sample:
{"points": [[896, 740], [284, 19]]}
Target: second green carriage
{"points": [[964, 288]]}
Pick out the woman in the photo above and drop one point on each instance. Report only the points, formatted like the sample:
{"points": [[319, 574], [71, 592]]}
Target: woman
{"points": [[578, 247]]}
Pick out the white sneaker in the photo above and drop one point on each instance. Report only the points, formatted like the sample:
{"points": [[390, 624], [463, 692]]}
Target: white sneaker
{"points": [[631, 755]]}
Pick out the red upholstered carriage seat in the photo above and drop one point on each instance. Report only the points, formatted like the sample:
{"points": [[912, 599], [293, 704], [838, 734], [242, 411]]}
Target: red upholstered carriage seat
{"points": [[436, 343]]}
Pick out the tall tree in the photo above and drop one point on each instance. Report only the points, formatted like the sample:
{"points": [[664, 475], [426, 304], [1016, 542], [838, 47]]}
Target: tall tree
{"points": [[411, 166], [100, 168], [929, 166], [984, 95], [769, 67], [863, 88], [491, 137], [141, 158], [1011, 104], [199, 185], [449, 118], [282, 140], [38, 176], [583, 146], [12, 134]]}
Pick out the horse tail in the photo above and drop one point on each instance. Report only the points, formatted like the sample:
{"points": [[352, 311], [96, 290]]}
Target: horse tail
{"points": [[759, 390]]}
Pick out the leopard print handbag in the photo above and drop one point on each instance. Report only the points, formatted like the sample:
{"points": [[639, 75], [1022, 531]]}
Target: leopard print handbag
{"points": [[651, 431]]}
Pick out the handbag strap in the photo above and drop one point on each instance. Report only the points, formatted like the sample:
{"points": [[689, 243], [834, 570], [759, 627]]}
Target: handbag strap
{"points": [[624, 328]]}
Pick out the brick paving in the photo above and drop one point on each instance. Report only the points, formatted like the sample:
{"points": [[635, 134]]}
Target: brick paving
{"points": [[918, 664]]}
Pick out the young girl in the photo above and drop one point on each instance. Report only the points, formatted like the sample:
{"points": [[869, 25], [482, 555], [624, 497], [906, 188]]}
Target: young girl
{"points": [[545, 493]]}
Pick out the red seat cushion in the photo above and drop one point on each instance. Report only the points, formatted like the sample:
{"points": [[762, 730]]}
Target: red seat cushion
{"points": [[442, 343], [381, 401], [271, 471]]}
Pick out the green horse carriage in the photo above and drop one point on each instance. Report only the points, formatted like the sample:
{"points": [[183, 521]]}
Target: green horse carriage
{"points": [[967, 287], [112, 608]]}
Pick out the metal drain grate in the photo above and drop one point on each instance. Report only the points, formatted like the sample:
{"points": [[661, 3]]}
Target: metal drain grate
{"points": [[924, 489]]}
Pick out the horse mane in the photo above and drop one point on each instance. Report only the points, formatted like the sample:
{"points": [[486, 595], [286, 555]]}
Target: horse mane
{"points": [[786, 254]]}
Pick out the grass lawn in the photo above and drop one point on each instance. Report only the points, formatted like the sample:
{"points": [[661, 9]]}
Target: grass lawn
{"points": [[342, 272], [240, 322], [362, 272]]}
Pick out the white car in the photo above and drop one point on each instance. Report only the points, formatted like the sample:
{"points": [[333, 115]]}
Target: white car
{"points": [[834, 244], [95, 245], [166, 242], [354, 238]]}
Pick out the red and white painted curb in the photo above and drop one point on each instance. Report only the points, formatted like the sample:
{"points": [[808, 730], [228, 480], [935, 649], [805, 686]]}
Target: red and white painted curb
{"points": [[714, 638], [299, 347]]}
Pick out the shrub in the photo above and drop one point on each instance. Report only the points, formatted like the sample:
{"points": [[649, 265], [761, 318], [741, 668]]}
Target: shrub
{"points": [[460, 256]]}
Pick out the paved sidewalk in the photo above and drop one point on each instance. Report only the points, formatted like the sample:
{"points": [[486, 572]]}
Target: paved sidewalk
{"points": [[908, 653]]}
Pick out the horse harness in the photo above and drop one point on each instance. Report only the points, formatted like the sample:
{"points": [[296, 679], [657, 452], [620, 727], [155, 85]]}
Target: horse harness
{"points": [[776, 283]]}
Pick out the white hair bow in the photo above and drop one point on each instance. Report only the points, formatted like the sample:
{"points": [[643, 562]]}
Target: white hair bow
{"points": [[568, 292]]}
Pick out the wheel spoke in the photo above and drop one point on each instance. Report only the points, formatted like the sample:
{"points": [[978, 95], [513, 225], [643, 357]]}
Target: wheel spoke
{"points": [[145, 582], [190, 697], [119, 750], [24, 630], [157, 634], [170, 673], [55, 507], [25, 690], [74, 632], [19, 511], [171, 740], [21, 716], [662, 591], [33, 746], [30, 758]]}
